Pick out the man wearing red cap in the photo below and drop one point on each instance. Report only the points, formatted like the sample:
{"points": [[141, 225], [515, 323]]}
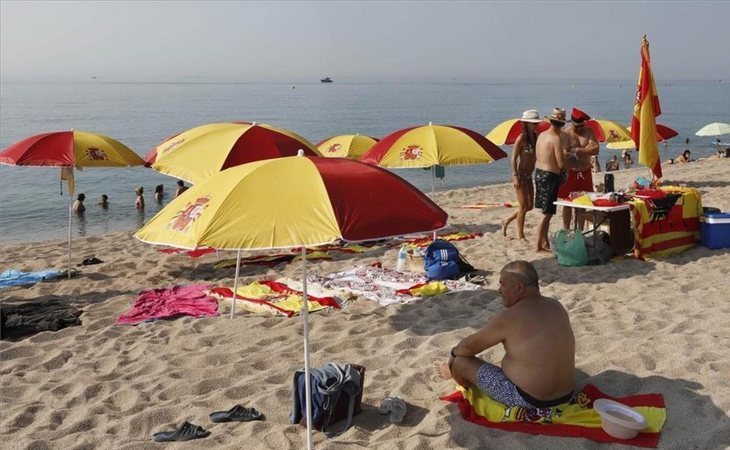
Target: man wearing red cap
{"points": [[583, 145]]}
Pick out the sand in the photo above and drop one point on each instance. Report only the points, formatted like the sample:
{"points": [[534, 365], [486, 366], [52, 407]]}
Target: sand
{"points": [[640, 326]]}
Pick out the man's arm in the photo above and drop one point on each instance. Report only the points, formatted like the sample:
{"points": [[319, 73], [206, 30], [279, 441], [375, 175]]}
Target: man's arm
{"points": [[592, 147], [488, 336], [561, 150]]}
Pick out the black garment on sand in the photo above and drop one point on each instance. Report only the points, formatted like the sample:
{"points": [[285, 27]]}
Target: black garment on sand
{"points": [[29, 318], [546, 190]]}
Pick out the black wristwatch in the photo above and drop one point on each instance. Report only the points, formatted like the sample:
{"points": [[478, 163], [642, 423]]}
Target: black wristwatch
{"points": [[453, 355]]}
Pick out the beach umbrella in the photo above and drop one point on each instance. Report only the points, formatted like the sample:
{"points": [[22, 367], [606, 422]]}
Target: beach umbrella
{"points": [[608, 130], [431, 145], [69, 150], [714, 129], [663, 133], [203, 151], [293, 202], [506, 132], [346, 146]]}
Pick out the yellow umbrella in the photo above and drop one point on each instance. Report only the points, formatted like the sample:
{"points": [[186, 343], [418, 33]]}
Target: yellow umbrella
{"points": [[608, 130], [292, 202], [506, 133], [346, 146], [203, 151]]}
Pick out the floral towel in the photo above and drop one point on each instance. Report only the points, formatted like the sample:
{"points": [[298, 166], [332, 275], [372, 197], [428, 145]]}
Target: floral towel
{"points": [[382, 285]]}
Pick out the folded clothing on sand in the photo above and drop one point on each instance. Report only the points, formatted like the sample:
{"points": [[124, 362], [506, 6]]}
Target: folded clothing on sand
{"points": [[170, 302], [12, 277], [576, 418], [274, 298], [35, 316]]}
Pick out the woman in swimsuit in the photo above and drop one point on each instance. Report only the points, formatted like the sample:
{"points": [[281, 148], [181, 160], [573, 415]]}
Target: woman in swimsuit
{"points": [[523, 164]]}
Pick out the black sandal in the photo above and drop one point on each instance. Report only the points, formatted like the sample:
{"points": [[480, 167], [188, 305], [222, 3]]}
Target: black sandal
{"points": [[236, 414], [186, 432]]}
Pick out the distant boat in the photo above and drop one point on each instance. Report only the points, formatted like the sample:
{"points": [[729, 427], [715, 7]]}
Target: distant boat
{"points": [[326, 80]]}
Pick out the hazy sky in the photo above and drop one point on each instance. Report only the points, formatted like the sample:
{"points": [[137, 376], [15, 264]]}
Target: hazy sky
{"points": [[297, 41]]}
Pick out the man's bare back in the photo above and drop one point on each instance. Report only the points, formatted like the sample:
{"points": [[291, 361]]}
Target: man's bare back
{"points": [[550, 150], [539, 361]]}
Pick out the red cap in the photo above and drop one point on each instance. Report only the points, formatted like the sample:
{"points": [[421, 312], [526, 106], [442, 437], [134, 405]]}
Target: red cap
{"points": [[579, 116]]}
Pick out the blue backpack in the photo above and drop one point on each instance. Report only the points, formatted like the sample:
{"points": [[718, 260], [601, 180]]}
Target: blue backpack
{"points": [[442, 261]]}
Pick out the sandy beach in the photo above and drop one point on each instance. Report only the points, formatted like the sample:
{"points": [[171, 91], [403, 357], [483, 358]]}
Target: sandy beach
{"points": [[656, 326]]}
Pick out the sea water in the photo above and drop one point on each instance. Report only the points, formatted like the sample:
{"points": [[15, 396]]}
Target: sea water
{"points": [[141, 115]]}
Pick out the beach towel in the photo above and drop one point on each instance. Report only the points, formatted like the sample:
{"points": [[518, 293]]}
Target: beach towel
{"points": [[271, 260], [171, 302], [12, 277], [489, 205], [382, 285], [29, 318], [576, 418], [191, 253], [424, 241], [274, 298]]}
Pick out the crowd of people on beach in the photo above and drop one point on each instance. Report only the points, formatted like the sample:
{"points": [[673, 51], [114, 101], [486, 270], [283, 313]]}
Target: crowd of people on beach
{"points": [[79, 208]]}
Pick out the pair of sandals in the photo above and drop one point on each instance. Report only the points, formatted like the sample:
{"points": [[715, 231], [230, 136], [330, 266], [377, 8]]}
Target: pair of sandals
{"points": [[395, 406], [188, 431]]}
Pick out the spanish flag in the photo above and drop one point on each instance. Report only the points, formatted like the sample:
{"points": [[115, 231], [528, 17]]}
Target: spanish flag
{"points": [[646, 109]]}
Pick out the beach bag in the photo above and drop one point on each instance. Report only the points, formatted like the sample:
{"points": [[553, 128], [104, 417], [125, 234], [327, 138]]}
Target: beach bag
{"points": [[570, 248], [442, 261], [599, 249], [336, 396]]}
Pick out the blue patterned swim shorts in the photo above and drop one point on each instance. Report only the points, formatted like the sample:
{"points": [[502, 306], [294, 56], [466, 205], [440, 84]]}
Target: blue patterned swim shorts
{"points": [[496, 385]]}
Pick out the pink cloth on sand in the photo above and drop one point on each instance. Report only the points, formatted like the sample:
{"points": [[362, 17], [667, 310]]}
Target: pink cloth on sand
{"points": [[170, 302]]}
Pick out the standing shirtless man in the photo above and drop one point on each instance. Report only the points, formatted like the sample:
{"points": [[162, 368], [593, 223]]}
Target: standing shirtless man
{"points": [[583, 145], [551, 147], [538, 368], [523, 164]]}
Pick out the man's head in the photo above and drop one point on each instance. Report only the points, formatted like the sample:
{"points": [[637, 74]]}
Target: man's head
{"points": [[557, 118], [81, 197], [516, 280], [180, 183], [579, 118]]}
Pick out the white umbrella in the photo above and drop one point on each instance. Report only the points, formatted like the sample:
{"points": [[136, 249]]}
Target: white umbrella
{"points": [[714, 129]]}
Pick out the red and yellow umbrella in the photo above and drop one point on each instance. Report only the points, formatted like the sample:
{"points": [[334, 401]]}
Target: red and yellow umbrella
{"points": [[432, 145], [506, 132], [663, 133], [608, 130], [203, 151], [346, 146]]}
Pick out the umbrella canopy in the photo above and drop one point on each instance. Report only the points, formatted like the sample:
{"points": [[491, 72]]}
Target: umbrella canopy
{"points": [[506, 132], [70, 149], [714, 129], [431, 145], [201, 152], [291, 202], [663, 133], [346, 146], [608, 130]]}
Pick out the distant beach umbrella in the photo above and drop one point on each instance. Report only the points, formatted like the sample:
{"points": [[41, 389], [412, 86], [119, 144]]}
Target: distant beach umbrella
{"points": [[69, 150], [608, 130], [506, 133], [433, 145], [714, 129], [203, 151], [663, 133], [293, 202], [346, 146]]}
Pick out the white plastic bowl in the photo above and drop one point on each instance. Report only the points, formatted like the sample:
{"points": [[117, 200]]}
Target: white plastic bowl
{"points": [[619, 420]]}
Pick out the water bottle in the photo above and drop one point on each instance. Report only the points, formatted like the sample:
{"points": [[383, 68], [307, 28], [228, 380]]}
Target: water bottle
{"points": [[608, 183], [400, 264]]}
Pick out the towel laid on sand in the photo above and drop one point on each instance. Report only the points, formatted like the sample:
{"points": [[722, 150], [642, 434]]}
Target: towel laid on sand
{"points": [[273, 297], [12, 277], [167, 303], [423, 241], [191, 253], [576, 418], [382, 285], [271, 260], [26, 319]]}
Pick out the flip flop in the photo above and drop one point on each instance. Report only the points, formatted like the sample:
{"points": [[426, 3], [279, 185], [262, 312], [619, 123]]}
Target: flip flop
{"points": [[186, 432], [395, 406], [236, 414]]}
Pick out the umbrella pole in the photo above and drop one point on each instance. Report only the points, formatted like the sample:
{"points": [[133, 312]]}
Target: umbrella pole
{"points": [[235, 282], [70, 211], [305, 321]]}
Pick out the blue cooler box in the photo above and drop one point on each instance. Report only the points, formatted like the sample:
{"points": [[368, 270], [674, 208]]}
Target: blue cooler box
{"points": [[715, 230]]}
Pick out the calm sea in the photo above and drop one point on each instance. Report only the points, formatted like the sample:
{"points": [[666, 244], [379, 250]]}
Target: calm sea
{"points": [[143, 114]]}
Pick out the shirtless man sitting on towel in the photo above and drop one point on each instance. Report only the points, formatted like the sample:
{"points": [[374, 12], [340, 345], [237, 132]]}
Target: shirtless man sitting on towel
{"points": [[583, 145], [538, 367]]}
